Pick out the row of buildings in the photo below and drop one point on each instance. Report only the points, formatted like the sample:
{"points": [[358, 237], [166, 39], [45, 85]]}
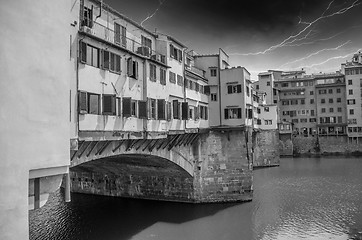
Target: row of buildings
{"points": [[131, 83], [318, 104]]}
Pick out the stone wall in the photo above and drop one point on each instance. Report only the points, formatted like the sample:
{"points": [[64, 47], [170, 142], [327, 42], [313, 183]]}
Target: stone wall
{"points": [[325, 145], [285, 144], [305, 145], [339, 144], [266, 148], [224, 170]]}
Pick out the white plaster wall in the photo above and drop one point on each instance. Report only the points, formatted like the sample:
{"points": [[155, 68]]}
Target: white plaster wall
{"points": [[271, 115], [34, 96]]}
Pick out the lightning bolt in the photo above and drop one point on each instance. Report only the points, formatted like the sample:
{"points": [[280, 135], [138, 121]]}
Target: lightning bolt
{"points": [[329, 59], [303, 30], [153, 14], [316, 53]]}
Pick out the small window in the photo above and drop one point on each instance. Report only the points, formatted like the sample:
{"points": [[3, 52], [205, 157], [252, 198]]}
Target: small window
{"points": [[213, 96], [339, 100], [213, 72], [350, 82], [161, 109], [323, 100], [311, 92], [133, 108], [331, 110], [266, 109], [351, 111], [93, 103], [350, 92], [330, 91], [323, 110], [232, 113], [338, 90], [176, 109], [330, 100], [180, 80]]}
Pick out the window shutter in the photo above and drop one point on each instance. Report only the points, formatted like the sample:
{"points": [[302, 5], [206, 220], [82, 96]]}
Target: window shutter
{"points": [[171, 51], [175, 109], [129, 67], [206, 113], [230, 89], [105, 59], [126, 106], [142, 109], [135, 69], [185, 110], [109, 104], [83, 52], [161, 109], [239, 113], [238, 88], [169, 113], [124, 39], [250, 113], [179, 55], [119, 106], [226, 113], [118, 63], [82, 102], [207, 90], [197, 112]]}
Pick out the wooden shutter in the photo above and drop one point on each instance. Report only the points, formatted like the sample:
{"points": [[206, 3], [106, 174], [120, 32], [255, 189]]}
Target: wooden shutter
{"points": [[169, 113], [185, 110], [129, 67], [239, 113], [135, 64], [179, 55], [238, 88], [250, 113], [142, 109], [175, 109], [226, 113], [118, 63], [124, 37], [197, 112], [105, 59], [161, 109], [119, 106], [83, 52], [230, 89], [206, 113], [109, 104], [171, 51], [117, 33], [126, 106], [82, 102], [207, 90]]}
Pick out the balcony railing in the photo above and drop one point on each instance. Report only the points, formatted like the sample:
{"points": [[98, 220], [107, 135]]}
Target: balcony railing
{"points": [[102, 32], [195, 70]]}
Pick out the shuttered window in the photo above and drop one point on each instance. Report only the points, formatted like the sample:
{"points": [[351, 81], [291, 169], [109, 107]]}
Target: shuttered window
{"points": [[169, 112], [232, 113], [82, 102], [105, 59], [153, 75], [126, 106], [132, 68], [161, 109], [162, 76], [83, 52], [109, 104], [234, 89], [152, 104], [180, 80], [175, 109], [185, 110], [93, 103], [142, 109], [172, 77], [207, 90]]}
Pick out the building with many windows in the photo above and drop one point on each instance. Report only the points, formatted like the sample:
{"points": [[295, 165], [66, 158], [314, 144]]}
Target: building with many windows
{"points": [[330, 97], [353, 72]]}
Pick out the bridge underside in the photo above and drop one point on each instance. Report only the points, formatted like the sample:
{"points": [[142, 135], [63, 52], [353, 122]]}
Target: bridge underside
{"points": [[133, 175]]}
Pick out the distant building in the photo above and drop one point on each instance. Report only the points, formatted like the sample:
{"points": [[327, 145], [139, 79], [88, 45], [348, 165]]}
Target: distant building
{"points": [[353, 73]]}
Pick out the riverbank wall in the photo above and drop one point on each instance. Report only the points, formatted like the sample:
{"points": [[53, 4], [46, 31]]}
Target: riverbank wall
{"points": [[325, 145], [266, 150]]}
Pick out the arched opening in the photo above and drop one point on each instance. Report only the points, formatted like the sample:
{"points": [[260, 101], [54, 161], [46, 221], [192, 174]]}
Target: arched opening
{"points": [[135, 176]]}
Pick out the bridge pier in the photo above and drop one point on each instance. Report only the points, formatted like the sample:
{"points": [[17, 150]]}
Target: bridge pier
{"points": [[213, 166]]}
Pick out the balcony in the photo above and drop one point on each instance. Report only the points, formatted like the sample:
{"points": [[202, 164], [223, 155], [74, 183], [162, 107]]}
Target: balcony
{"points": [[106, 34], [195, 70]]}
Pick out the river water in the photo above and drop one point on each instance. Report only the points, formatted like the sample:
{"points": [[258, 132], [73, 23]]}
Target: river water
{"points": [[304, 198]]}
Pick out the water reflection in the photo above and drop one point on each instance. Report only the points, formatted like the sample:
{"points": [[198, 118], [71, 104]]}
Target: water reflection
{"points": [[304, 198]]}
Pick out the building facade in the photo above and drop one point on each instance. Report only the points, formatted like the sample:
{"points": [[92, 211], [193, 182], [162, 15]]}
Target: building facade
{"points": [[353, 73]]}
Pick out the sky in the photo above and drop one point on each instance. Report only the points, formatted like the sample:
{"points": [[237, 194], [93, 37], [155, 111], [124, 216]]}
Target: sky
{"points": [[259, 35]]}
